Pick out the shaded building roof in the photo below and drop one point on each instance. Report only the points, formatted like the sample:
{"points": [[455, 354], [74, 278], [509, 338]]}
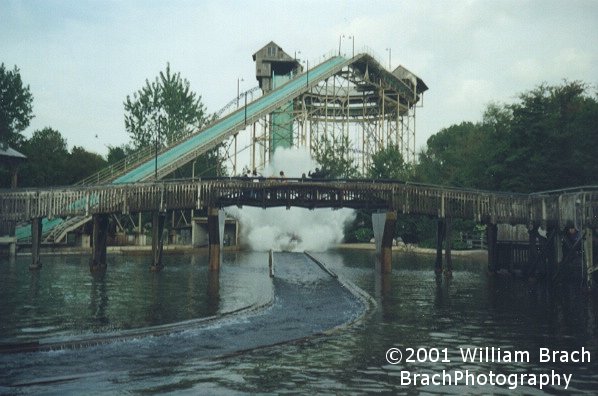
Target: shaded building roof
{"points": [[8, 153]]}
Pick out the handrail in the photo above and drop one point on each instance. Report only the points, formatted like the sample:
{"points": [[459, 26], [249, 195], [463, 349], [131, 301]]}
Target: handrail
{"points": [[142, 155], [360, 180]]}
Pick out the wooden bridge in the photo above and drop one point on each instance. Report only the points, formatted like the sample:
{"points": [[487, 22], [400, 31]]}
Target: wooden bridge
{"points": [[550, 210]]}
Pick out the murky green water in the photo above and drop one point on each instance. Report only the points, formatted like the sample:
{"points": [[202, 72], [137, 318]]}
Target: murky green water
{"points": [[63, 299], [413, 308]]}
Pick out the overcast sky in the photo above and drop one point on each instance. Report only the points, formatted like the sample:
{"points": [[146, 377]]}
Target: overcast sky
{"points": [[82, 58]]}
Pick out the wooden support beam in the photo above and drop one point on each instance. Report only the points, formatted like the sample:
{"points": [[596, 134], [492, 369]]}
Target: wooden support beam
{"points": [[214, 238], [383, 224], [588, 249], [448, 247], [99, 238], [36, 240], [532, 258], [492, 237], [158, 219], [213, 292], [553, 246], [440, 234]]}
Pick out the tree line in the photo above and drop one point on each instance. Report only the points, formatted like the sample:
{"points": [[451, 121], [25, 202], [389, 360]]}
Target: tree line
{"points": [[546, 140]]}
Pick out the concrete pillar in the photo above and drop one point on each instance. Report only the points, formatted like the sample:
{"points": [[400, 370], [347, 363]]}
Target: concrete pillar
{"points": [[36, 241], [492, 237], [157, 240], [215, 236], [98, 250], [384, 231], [440, 235]]}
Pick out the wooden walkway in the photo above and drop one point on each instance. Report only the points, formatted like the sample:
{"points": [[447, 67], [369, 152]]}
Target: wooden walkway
{"points": [[553, 211], [579, 206]]}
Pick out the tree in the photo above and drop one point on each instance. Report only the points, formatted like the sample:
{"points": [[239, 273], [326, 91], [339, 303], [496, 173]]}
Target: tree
{"points": [[15, 106], [546, 140], [166, 108], [333, 156], [47, 157], [209, 164], [388, 163], [452, 155], [117, 153], [553, 140], [81, 164]]}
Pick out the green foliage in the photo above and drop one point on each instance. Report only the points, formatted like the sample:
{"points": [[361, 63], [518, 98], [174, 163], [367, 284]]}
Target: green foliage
{"points": [[553, 139], [165, 108], [547, 140], [15, 106], [210, 164], [333, 155], [388, 163], [363, 234], [416, 229], [82, 163], [453, 156], [118, 153], [47, 160]]}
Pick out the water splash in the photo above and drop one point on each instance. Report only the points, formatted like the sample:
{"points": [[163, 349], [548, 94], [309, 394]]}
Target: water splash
{"points": [[294, 229]]}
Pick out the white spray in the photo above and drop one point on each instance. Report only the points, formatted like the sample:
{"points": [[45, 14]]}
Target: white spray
{"points": [[294, 229]]}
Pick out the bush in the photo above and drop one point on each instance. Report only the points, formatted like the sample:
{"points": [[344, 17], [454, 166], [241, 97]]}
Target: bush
{"points": [[363, 234]]}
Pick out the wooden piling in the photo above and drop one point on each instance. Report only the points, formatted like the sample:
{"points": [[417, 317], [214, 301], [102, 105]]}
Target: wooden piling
{"points": [[492, 237], [100, 236], [440, 234], [36, 240], [213, 292], [214, 239], [158, 220], [448, 243], [588, 249], [533, 250], [271, 263], [553, 247]]}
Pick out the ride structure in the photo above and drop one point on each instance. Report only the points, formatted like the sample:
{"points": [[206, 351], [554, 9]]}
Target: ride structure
{"points": [[354, 98]]}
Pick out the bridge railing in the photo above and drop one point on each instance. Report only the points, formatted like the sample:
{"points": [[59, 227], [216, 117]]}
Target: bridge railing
{"points": [[581, 207]]}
